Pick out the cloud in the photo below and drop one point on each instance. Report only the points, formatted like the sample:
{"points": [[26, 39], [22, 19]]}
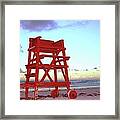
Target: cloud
{"points": [[38, 25], [72, 23]]}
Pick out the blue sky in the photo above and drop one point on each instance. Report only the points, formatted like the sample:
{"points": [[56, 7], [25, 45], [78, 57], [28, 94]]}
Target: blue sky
{"points": [[81, 38]]}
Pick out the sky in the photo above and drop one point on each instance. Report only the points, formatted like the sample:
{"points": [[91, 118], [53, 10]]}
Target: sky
{"points": [[81, 39]]}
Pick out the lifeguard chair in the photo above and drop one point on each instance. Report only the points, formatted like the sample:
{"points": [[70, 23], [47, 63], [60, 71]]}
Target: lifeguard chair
{"points": [[40, 49]]}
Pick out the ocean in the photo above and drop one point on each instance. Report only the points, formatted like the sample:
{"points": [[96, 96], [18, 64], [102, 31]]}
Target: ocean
{"points": [[81, 83]]}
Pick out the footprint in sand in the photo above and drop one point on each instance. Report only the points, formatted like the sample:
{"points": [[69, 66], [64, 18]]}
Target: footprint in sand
{"points": [[90, 95], [95, 94], [82, 94]]}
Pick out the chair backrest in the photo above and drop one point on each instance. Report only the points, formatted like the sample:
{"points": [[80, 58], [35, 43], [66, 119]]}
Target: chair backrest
{"points": [[46, 46], [59, 44], [40, 42]]}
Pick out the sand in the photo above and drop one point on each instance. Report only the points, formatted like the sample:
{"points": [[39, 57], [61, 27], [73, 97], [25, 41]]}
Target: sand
{"points": [[92, 93], [89, 93]]}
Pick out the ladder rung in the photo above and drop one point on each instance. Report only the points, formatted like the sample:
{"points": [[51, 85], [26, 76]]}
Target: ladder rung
{"points": [[45, 49], [56, 56], [61, 60], [42, 66], [45, 84]]}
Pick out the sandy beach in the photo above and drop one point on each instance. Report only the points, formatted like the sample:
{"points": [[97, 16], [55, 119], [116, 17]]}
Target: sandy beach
{"points": [[86, 83], [82, 94]]}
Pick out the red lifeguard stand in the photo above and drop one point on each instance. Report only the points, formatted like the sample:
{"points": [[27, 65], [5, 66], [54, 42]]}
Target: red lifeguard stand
{"points": [[39, 49]]}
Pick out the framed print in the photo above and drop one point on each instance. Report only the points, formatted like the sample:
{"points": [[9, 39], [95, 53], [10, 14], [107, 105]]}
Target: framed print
{"points": [[59, 59]]}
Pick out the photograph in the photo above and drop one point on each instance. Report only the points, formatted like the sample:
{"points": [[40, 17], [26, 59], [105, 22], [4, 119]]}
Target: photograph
{"points": [[60, 59]]}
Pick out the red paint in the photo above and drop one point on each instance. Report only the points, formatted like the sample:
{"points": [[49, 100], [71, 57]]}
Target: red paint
{"points": [[72, 94], [38, 50]]}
